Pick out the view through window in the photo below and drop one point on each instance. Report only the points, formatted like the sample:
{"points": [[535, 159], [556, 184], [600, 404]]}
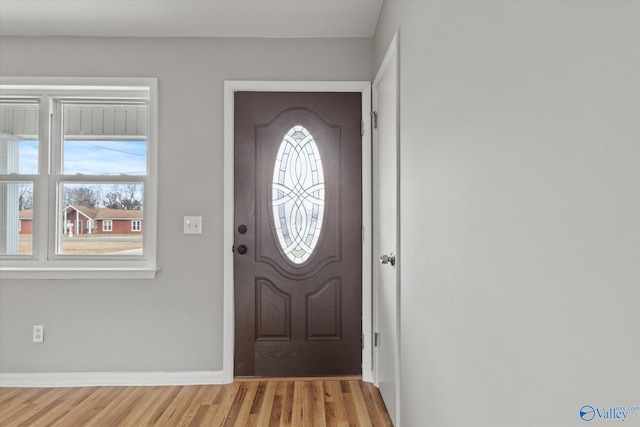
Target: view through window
{"points": [[75, 174]]}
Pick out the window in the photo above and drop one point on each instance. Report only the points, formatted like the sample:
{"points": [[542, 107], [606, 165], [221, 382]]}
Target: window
{"points": [[74, 153], [298, 195]]}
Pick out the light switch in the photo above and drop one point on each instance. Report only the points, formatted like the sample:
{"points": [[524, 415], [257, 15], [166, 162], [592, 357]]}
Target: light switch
{"points": [[192, 225]]}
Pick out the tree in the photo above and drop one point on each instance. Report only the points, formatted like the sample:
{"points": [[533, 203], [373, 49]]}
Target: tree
{"points": [[81, 195], [125, 196], [25, 197]]}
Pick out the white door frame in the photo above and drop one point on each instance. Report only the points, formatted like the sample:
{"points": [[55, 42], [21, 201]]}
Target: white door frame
{"points": [[230, 87]]}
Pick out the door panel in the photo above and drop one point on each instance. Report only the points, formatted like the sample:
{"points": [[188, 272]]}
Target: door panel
{"points": [[324, 312], [298, 282], [386, 207], [273, 312]]}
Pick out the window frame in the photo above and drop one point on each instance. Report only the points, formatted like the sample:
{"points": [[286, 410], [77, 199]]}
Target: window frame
{"points": [[44, 262], [136, 225], [107, 225]]}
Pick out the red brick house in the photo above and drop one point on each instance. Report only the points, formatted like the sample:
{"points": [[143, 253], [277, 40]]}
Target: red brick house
{"points": [[84, 220], [26, 221]]}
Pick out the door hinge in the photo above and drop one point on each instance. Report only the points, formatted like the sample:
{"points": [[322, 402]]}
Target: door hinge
{"points": [[362, 341], [374, 119], [362, 234], [361, 127], [375, 339]]}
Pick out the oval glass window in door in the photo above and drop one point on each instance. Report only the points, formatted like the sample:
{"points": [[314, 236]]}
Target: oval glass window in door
{"points": [[298, 195]]}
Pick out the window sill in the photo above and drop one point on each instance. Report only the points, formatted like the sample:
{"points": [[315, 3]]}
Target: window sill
{"points": [[95, 273]]}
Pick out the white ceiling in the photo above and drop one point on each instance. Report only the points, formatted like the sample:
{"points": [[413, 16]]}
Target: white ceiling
{"points": [[190, 18]]}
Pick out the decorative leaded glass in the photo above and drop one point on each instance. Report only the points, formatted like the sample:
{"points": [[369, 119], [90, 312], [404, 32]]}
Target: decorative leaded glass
{"points": [[298, 195]]}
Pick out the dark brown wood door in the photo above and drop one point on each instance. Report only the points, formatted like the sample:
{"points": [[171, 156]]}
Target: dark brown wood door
{"points": [[298, 234]]}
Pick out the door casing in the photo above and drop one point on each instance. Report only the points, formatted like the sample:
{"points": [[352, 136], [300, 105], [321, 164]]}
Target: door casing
{"points": [[364, 87]]}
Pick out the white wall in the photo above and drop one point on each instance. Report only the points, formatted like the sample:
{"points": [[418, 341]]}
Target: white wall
{"points": [[520, 133], [172, 323]]}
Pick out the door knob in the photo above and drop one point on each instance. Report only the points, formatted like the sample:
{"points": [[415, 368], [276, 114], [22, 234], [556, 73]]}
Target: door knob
{"points": [[388, 259], [242, 249]]}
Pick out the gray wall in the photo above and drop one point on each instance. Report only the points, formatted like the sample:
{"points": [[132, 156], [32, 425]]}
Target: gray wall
{"points": [[520, 193], [172, 323]]}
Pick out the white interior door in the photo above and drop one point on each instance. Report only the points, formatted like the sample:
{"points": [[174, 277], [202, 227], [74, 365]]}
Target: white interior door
{"points": [[386, 208]]}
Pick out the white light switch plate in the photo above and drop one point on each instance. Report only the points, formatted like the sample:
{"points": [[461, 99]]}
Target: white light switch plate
{"points": [[192, 225]]}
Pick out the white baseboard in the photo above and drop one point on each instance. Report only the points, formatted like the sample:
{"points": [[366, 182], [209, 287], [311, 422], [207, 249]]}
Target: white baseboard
{"points": [[91, 379]]}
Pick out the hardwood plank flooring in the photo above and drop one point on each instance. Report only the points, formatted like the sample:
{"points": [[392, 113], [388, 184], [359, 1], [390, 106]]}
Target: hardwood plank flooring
{"points": [[295, 402]]}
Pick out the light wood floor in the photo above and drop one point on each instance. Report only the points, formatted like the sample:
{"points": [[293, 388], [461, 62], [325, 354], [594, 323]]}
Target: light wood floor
{"points": [[299, 402]]}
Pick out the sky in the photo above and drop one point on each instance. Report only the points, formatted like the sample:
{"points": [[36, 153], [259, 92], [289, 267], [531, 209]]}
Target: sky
{"points": [[91, 157]]}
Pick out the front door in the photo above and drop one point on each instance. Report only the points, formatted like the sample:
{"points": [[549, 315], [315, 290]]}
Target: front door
{"points": [[298, 234]]}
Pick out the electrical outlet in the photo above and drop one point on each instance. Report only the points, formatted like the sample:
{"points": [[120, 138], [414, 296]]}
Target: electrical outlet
{"points": [[38, 333], [192, 225]]}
